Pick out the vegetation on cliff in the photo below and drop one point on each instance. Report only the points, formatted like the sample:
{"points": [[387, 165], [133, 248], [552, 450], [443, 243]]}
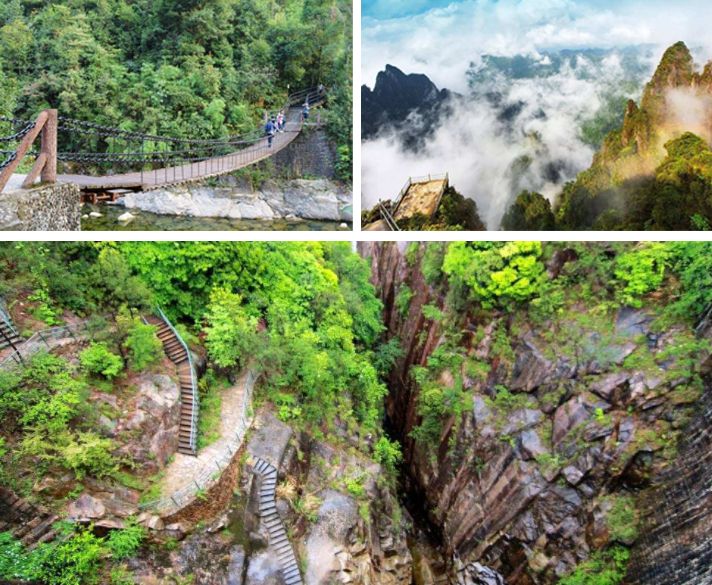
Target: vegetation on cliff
{"points": [[542, 373], [653, 173]]}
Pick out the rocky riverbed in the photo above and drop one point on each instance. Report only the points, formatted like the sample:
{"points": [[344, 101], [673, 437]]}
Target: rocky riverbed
{"points": [[317, 199], [115, 218]]}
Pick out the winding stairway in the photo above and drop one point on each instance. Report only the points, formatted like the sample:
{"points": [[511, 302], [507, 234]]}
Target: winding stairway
{"points": [[278, 538], [178, 352], [27, 523]]}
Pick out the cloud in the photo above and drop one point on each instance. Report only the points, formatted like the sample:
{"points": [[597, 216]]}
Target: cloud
{"points": [[491, 158], [442, 40]]}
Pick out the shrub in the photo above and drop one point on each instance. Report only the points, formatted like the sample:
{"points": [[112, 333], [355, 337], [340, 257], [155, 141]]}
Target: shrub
{"points": [[99, 360], [143, 345], [89, 454], [123, 544], [496, 274], [387, 453], [640, 271], [44, 310], [74, 561], [622, 519], [432, 313], [403, 299], [603, 568], [15, 563]]}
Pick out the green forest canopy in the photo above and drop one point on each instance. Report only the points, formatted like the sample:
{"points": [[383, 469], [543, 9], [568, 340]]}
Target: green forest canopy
{"points": [[182, 68]]}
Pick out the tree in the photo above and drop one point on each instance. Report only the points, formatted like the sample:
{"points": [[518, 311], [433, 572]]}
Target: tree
{"points": [[99, 360], [496, 274], [530, 211], [230, 331]]}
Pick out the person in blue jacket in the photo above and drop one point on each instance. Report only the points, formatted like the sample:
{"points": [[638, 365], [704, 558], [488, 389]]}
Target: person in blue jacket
{"points": [[270, 129]]}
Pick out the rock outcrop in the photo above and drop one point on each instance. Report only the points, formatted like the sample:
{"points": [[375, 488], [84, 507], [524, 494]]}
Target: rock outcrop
{"points": [[675, 546], [318, 199], [398, 98], [676, 100], [525, 485]]}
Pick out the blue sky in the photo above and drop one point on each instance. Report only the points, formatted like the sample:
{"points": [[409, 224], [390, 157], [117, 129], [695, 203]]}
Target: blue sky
{"points": [[398, 8], [442, 37]]}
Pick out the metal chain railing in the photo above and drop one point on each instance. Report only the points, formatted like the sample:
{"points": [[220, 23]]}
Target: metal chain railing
{"points": [[213, 469], [88, 146]]}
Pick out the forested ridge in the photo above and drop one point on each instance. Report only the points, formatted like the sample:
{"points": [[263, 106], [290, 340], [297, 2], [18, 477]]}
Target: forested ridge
{"points": [[182, 68], [652, 173]]}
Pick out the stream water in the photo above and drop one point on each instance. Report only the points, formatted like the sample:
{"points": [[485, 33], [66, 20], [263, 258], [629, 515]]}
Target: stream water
{"points": [[146, 221]]}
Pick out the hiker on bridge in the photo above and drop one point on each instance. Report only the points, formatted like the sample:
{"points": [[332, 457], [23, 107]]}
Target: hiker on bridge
{"points": [[270, 129], [305, 111], [280, 121]]}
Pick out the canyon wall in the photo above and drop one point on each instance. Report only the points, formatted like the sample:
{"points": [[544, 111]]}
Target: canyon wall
{"points": [[532, 489]]}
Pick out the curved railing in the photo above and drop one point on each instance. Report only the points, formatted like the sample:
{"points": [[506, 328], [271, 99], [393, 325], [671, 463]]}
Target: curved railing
{"points": [[213, 468], [193, 381]]}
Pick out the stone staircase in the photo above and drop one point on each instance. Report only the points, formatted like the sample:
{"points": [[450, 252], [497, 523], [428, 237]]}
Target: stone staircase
{"points": [[27, 523], [8, 333], [178, 353], [278, 538]]}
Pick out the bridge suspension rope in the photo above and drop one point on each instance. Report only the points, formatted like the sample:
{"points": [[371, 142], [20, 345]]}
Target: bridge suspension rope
{"points": [[87, 146]]}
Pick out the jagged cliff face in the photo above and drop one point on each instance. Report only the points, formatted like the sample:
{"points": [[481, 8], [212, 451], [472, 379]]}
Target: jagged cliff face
{"points": [[676, 546], [678, 99], [529, 489], [394, 98]]}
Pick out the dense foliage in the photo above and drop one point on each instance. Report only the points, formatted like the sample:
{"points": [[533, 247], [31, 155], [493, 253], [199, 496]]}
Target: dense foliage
{"points": [[74, 559], [187, 69], [496, 274], [304, 314]]}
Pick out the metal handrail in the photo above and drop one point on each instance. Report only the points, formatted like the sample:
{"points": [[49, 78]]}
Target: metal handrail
{"points": [[402, 193], [193, 382], [211, 471], [5, 315], [428, 178], [31, 345], [388, 218]]}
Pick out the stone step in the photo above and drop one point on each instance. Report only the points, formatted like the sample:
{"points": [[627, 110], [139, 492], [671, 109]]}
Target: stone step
{"points": [[41, 529], [27, 527], [292, 573]]}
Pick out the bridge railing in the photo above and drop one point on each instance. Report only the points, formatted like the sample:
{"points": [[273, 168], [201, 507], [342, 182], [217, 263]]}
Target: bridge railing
{"points": [[214, 467], [5, 316], [45, 166], [88, 147]]}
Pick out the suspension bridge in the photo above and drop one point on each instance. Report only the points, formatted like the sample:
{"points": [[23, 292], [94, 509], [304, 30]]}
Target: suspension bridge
{"points": [[135, 161]]}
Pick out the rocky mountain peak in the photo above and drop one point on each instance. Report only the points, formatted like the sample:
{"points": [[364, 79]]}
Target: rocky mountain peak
{"points": [[414, 89], [676, 69], [395, 96]]}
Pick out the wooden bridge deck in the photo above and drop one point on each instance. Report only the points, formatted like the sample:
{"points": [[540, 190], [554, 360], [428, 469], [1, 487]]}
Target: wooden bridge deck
{"points": [[213, 167]]}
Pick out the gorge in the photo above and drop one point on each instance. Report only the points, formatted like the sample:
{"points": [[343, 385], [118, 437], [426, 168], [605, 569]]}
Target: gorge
{"points": [[468, 413]]}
